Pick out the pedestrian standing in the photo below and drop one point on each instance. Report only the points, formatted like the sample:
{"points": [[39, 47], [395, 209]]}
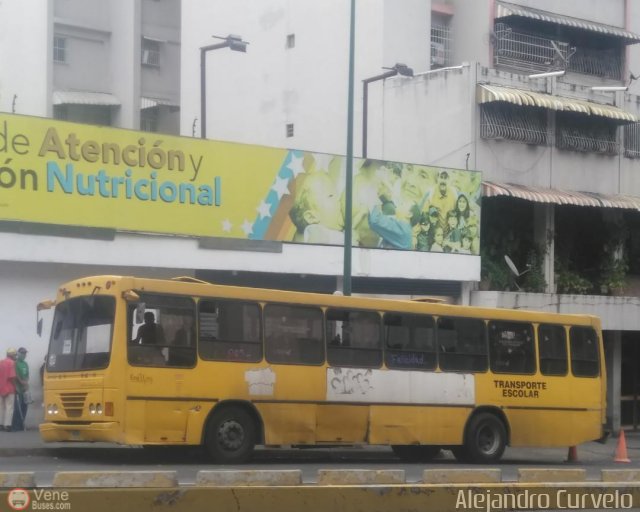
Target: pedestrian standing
{"points": [[7, 389], [22, 391]]}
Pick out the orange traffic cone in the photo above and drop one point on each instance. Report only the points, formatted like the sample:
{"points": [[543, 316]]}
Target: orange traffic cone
{"points": [[572, 455], [621, 449]]}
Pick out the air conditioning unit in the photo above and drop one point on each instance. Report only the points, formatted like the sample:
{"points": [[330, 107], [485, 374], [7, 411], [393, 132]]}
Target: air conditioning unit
{"points": [[438, 56]]}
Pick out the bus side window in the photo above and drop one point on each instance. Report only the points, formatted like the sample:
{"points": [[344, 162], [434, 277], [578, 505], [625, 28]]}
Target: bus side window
{"points": [[409, 341], [584, 352], [168, 336], [229, 330], [293, 334], [462, 344], [511, 347], [359, 344], [552, 347]]}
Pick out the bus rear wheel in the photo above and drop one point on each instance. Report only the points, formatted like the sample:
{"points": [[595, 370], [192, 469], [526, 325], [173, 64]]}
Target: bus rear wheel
{"points": [[415, 453], [230, 436], [485, 440]]}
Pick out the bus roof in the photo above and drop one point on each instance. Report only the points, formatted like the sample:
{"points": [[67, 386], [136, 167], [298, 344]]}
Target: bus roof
{"points": [[195, 287]]}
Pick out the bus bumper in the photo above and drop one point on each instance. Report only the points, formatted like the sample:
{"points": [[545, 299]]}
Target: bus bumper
{"points": [[108, 431]]}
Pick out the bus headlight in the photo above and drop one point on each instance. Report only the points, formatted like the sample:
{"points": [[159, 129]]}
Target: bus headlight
{"points": [[99, 409], [92, 409], [52, 409]]}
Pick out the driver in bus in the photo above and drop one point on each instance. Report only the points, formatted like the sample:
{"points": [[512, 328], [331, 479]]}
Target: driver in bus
{"points": [[149, 333]]}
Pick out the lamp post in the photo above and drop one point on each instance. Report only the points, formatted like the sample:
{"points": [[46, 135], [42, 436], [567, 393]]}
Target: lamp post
{"points": [[234, 43], [348, 203], [398, 69]]}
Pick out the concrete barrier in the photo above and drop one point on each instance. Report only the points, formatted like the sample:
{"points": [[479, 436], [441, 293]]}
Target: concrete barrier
{"points": [[115, 479], [249, 477], [620, 475], [461, 476], [360, 476], [548, 475], [17, 480]]}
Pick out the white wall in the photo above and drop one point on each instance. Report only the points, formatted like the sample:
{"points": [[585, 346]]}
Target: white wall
{"points": [[25, 44], [616, 313], [251, 97], [183, 253]]}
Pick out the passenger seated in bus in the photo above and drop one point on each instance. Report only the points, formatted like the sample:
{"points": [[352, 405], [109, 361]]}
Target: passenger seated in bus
{"points": [[149, 333], [186, 335]]}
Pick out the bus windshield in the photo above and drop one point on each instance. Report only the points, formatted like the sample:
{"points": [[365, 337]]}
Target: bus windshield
{"points": [[81, 334]]}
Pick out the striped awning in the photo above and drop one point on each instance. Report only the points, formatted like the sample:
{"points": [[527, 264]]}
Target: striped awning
{"points": [[555, 196], [505, 9], [85, 98], [487, 93], [146, 102]]}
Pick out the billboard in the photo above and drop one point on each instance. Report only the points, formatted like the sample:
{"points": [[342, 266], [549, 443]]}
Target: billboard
{"points": [[56, 172]]}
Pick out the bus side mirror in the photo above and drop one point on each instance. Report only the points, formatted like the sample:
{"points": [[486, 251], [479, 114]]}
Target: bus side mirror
{"points": [[42, 306]]}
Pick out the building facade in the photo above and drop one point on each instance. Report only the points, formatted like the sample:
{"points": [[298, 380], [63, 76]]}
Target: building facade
{"points": [[540, 96], [558, 152]]}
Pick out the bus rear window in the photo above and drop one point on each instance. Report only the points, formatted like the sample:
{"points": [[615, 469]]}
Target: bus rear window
{"points": [[81, 334], [584, 352]]}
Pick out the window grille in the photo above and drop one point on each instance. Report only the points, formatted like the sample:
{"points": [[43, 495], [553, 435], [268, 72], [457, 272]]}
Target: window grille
{"points": [[528, 52], [150, 52], [290, 130], [291, 41], [533, 52], [440, 43], [632, 140], [501, 120], [59, 49], [149, 120], [575, 132], [603, 63]]}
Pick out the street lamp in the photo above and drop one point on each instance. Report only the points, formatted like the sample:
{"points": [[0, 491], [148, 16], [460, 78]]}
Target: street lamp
{"points": [[398, 69], [234, 43]]}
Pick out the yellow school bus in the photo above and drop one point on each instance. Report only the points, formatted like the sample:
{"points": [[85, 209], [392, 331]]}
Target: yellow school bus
{"points": [[183, 362]]}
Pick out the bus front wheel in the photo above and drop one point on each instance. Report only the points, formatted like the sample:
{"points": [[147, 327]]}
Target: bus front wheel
{"points": [[485, 440], [230, 436]]}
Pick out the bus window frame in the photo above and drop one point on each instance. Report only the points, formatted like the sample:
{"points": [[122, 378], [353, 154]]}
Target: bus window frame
{"points": [[566, 349], [598, 362], [321, 340], [391, 350], [131, 311], [534, 347], [330, 346], [260, 342], [439, 352]]}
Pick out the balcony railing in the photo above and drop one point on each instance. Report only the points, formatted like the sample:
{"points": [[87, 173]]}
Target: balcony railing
{"points": [[530, 52]]}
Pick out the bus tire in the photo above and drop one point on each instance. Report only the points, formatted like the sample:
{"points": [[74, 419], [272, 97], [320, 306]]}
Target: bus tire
{"points": [[485, 439], [414, 452], [230, 436]]}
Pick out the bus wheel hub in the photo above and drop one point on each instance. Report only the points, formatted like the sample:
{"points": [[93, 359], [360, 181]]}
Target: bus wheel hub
{"points": [[231, 435]]}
